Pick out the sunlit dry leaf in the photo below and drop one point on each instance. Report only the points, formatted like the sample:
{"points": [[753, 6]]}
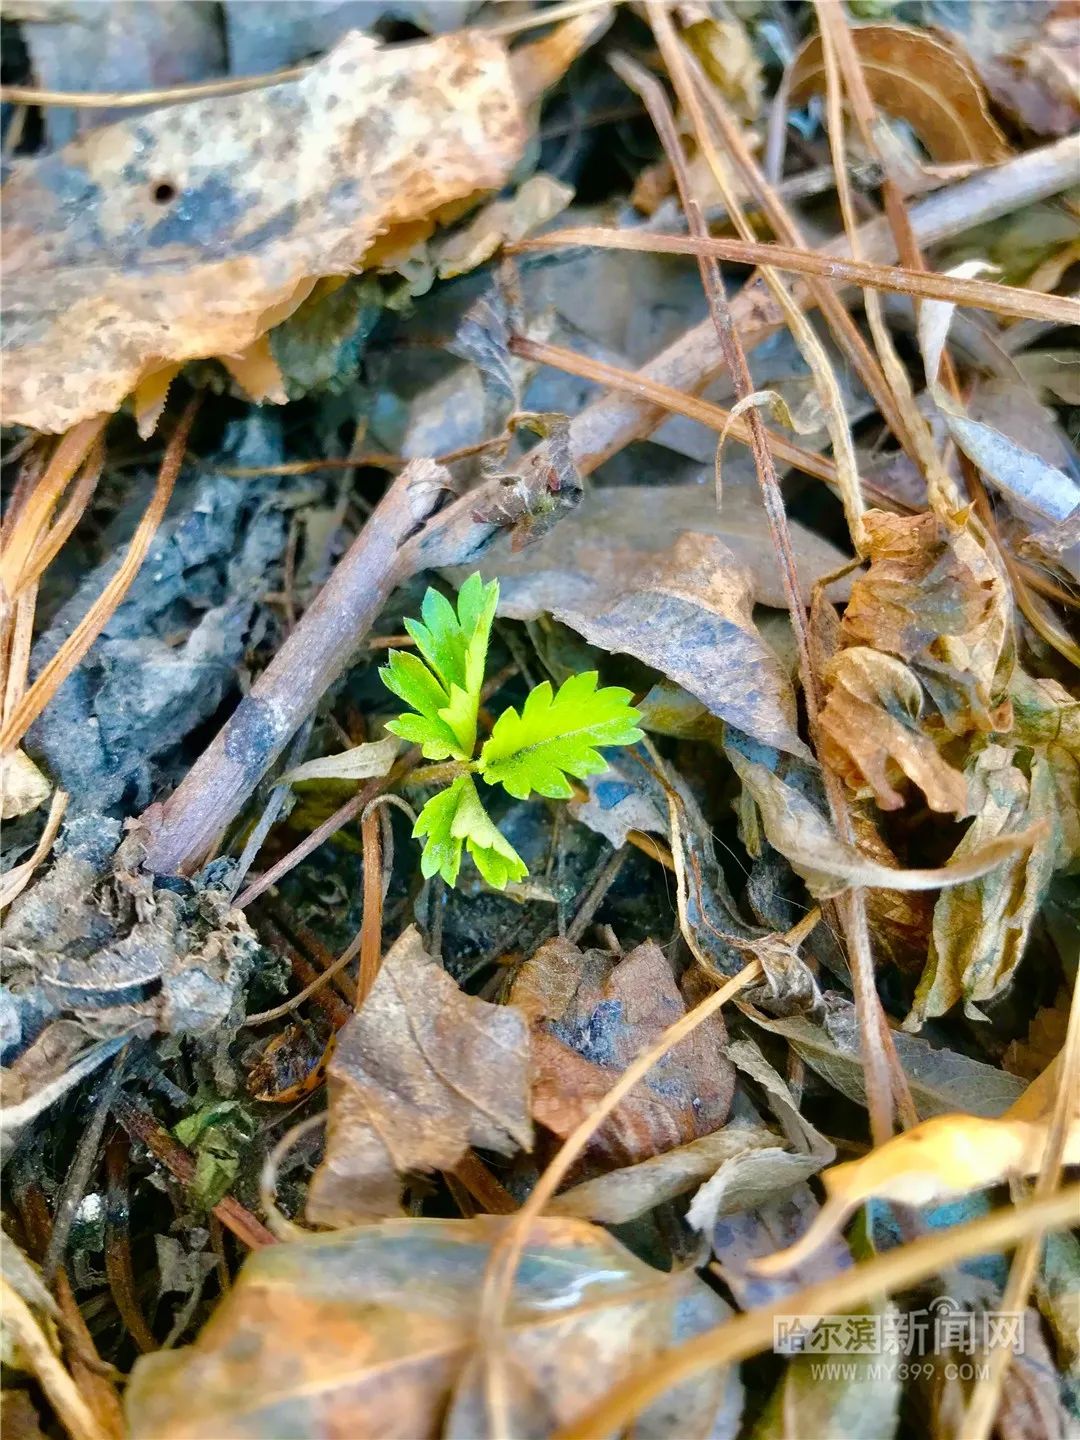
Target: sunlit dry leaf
{"points": [[917, 77], [727, 56], [22, 785], [369, 1332], [421, 1073], [941, 1159], [535, 202], [189, 232], [591, 1019]]}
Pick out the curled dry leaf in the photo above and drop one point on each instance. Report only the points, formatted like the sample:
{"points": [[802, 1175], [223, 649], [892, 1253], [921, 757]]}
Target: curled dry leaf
{"points": [[981, 928], [795, 825], [537, 201], [371, 1331], [623, 1195], [926, 655], [421, 1073], [189, 232], [941, 1159], [591, 1018], [917, 77], [362, 762]]}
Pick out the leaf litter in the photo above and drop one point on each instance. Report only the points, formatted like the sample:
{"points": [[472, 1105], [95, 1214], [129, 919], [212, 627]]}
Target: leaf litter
{"points": [[360, 515]]}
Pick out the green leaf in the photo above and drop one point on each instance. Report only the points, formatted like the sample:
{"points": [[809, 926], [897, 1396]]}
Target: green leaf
{"points": [[411, 680], [556, 736], [442, 849], [455, 818], [446, 690]]}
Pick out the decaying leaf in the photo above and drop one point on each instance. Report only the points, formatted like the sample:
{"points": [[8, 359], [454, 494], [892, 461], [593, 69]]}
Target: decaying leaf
{"points": [[615, 530], [189, 232], [700, 592], [941, 1159], [370, 1332], [918, 77], [981, 928], [941, 1081], [421, 1073], [591, 1018], [926, 655]]}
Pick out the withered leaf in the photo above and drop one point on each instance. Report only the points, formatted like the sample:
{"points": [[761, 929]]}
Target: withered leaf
{"points": [[941, 1081], [616, 531], [421, 1073], [623, 1195], [370, 1332], [981, 928], [918, 77], [926, 656], [190, 231], [592, 1018]]}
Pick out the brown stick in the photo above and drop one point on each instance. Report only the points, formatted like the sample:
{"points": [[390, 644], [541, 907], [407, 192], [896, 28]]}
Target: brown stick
{"points": [[311, 659]]}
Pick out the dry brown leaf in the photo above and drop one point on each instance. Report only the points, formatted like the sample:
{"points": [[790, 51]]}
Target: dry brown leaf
{"points": [[421, 1073], [623, 1195], [871, 731], [370, 1333], [189, 232], [633, 602], [927, 654], [591, 1019], [919, 78], [941, 1159], [616, 531]]}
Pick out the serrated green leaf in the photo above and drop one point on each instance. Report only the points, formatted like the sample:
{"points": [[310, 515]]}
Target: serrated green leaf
{"points": [[445, 690], [495, 857], [455, 818], [556, 736], [442, 849], [410, 680]]}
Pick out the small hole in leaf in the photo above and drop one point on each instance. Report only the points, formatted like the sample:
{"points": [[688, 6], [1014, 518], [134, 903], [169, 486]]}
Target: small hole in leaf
{"points": [[163, 192]]}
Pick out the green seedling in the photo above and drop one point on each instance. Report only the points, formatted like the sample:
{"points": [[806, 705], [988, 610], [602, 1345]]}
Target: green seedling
{"points": [[555, 735]]}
